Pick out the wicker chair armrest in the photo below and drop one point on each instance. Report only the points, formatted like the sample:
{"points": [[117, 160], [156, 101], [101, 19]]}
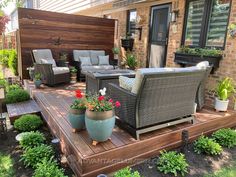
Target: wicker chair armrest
{"points": [[116, 89], [44, 69]]}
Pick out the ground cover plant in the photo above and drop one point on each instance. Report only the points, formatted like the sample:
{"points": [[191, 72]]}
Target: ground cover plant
{"points": [[28, 122], [15, 96], [225, 137], [127, 172], [37, 154], [206, 145], [172, 163], [6, 166], [48, 168], [32, 139]]}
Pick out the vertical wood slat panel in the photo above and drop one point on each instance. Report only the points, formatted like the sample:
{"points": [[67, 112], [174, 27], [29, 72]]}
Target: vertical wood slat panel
{"points": [[59, 32]]}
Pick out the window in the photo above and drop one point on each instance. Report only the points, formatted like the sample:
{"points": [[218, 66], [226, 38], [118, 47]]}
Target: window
{"points": [[206, 23], [131, 22]]}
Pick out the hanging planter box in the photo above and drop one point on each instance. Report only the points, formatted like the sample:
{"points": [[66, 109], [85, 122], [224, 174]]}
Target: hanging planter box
{"points": [[191, 60], [127, 44]]}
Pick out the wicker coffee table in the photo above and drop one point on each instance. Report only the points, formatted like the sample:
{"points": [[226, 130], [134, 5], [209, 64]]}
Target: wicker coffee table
{"points": [[96, 80]]}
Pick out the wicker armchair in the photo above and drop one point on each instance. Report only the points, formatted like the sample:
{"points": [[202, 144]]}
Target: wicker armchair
{"points": [[46, 66], [163, 99]]}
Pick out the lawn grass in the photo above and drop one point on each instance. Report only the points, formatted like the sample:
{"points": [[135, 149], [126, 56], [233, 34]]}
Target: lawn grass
{"points": [[6, 166]]}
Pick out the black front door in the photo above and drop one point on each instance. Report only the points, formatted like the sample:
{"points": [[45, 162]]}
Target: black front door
{"points": [[159, 27]]}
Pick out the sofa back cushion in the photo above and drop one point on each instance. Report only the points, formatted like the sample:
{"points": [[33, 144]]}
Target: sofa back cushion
{"points": [[94, 56], [103, 60], [80, 53], [42, 54], [85, 61]]}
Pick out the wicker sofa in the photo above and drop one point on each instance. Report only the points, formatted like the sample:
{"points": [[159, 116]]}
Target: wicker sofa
{"points": [[47, 67], [160, 97]]}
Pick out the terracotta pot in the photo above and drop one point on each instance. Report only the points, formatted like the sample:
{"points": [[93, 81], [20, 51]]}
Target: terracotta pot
{"points": [[99, 124], [76, 119]]}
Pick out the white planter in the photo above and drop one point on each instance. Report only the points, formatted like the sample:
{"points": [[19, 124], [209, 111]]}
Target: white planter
{"points": [[221, 105]]}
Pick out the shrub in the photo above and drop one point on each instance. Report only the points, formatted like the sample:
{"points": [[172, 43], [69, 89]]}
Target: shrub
{"points": [[127, 172], [35, 155], [32, 139], [48, 167], [12, 61], [207, 145], [172, 162], [15, 96], [28, 122], [225, 137], [4, 57], [13, 87], [6, 166]]}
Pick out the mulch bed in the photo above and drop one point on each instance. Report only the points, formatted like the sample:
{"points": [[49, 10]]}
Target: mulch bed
{"points": [[11, 146]]}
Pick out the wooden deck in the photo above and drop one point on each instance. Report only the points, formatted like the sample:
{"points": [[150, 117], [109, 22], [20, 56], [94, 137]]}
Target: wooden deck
{"points": [[122, 150]]}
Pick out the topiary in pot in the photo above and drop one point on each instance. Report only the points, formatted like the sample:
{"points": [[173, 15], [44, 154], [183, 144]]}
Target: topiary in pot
{"points": [[28, 122], [18, 95]]}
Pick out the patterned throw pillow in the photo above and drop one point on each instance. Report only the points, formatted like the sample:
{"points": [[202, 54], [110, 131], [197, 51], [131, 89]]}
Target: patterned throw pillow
{"points": [[85, 61], [126, 82]]}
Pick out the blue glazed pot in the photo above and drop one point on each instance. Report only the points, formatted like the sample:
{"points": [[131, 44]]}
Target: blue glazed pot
{"points": [[99, 124], [37, 83], [76, 119]]}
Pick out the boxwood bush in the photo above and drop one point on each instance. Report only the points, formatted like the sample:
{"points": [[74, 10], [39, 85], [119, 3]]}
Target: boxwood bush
{"points": [[15, 96], [48, 168], [127, 172], [226, 137], [206, 145], [32, 139], [173, 163], [13, 87], [28, 122], [37, 154]]}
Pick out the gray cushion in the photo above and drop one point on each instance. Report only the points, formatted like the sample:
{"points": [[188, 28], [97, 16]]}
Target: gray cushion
{"points": [[94, 56], [42, 54], [126, 82], [85, 61], [80, 53], [103, 60], [49, 61], [60, 70], [101, 67]]}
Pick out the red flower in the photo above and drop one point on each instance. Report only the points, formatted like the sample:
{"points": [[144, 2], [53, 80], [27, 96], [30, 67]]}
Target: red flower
{"points": [[117, 104], [78, 94], [110, 100], [100, 98]]}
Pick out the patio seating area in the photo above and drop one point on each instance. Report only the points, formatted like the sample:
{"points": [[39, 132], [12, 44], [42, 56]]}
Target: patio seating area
{"points": [[122, 149]]}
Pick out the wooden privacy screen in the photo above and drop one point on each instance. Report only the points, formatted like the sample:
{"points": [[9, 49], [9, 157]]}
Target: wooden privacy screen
{"points": [[60, 33]]}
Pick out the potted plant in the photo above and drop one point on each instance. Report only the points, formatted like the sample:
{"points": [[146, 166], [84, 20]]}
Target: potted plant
{"points": [[232, 30], [63, 59], [191, 56], [37, 80], [130, 61], [77, 112], [31, 72], [73, 73], [100, 117], [127, 42], [116, 52], [224, 90]]}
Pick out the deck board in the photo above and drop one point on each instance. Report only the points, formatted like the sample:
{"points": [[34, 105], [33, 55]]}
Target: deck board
{"points": [[88, 160]]}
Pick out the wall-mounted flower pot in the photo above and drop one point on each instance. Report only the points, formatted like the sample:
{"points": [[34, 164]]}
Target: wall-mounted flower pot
{"points": [[99, 125], [76, 119], [127, 44], [191, 60]]}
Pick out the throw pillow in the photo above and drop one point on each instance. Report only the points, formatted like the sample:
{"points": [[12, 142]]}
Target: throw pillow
{"points": [[85, 61], [126, 82], [103, 60], [49, 61]]}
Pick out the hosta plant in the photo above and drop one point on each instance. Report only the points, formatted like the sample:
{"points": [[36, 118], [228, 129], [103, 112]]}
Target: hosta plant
{"points": [[226, 137], [32, 139], [225, 88]]}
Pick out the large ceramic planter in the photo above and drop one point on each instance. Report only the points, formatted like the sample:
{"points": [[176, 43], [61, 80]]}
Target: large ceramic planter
{"points": [[221, 105], [76, 119], [99, 125], [37, 83]]}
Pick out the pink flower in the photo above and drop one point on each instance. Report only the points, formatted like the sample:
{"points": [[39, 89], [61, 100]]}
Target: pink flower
{"points": [[100, 98], [117, 104], [110, 100]]}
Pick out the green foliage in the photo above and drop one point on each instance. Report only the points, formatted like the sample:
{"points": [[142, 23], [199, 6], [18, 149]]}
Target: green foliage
{"points": [[32, 139], [4, 57], [3, 83], [13, 87], [226, 137], [172, 162], [12, 61], [206, 145], [200, 51], [127, 172], [225, 88], [116, 50], [131, 60], [15, 96], [37, 76], [6, 166], [48, 168], [73, 69], [28, 122], [37, 154]]}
